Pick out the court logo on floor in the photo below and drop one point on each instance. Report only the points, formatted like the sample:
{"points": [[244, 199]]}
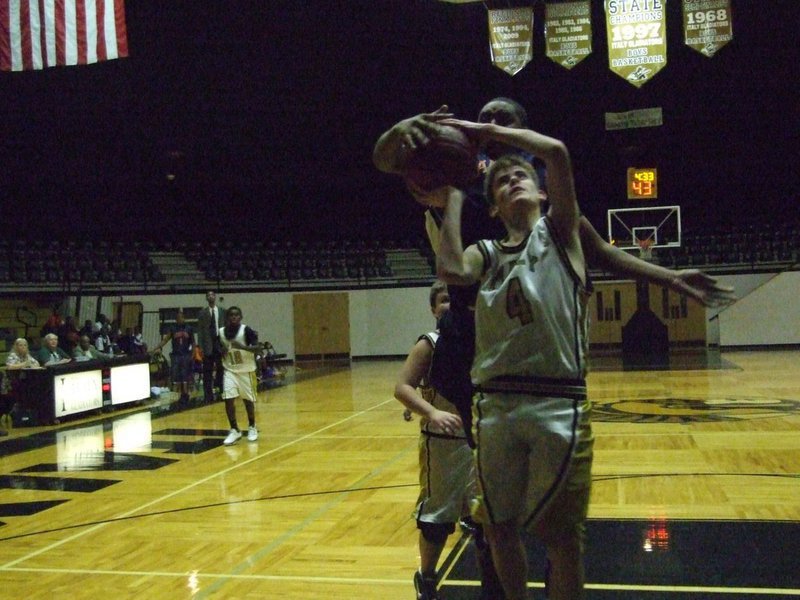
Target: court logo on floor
{"points": [[691, 410]]}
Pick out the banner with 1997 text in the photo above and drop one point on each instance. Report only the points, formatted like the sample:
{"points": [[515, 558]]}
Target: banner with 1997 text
{"points": [[637, 38]]}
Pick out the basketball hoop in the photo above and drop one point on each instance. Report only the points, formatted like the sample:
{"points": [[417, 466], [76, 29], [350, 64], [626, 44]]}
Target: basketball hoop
{"points": [[645, 248]]}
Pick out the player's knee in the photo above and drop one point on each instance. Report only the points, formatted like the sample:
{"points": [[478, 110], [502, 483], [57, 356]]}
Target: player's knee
{"points": [[476, 530], [436, 533]]}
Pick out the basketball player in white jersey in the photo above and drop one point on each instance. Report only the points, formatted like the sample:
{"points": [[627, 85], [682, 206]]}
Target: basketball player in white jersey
{"points": [[446, 467], [239, 347], [534, 441]]}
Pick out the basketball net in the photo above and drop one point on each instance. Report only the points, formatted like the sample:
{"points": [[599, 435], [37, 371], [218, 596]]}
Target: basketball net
{"points": [[645, 248]]}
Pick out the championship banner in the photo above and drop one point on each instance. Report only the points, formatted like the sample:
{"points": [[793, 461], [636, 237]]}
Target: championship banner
{"points": [[568, 32], [511, 38], [707, 25], [637, 38]]}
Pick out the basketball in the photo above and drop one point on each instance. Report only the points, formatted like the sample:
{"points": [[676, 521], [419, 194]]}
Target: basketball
{"points": [[448, 159]]}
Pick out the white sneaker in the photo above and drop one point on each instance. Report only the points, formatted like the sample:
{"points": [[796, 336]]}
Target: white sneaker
{"points": [[233, 437], [252, 434]]}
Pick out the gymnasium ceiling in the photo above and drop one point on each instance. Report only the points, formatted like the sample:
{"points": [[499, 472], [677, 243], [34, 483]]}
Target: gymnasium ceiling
{"points": [[266, 114]]}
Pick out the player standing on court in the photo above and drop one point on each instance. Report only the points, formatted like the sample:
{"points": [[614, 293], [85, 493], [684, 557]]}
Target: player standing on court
{"points": [[534, 441], [239, 347]]}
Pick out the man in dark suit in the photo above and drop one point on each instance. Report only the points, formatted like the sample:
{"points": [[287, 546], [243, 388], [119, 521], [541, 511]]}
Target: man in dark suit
{"points": [[209, 322], [50, 353]]}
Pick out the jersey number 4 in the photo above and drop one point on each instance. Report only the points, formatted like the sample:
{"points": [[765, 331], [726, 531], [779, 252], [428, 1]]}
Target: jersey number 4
{"points": [[517, 305]]}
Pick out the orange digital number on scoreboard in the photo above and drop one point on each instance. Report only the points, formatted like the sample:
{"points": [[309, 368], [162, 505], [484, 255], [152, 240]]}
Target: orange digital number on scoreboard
{"points": [[642, 183]]}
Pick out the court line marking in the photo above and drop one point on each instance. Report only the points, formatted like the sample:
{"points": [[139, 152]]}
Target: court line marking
{"points": [[292, 532], [169, 511], [682, 589], [378, 581], [186, 488]]}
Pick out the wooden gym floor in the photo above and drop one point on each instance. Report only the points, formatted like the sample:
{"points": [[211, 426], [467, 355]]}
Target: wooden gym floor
{"points": [[696, 492]]}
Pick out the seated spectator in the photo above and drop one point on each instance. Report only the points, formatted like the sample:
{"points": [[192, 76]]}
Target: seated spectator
{"points": [[87, 329], [103, 340], [68, 335], [115, 333], [85, 351], [139, 347], [18, 358], [54, 321], [125, 341], [50, 354], [101, 320]]}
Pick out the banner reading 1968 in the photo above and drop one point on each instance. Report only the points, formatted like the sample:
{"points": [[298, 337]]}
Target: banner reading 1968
{"points": [[707, 25], [568, 32], [637, 38]]}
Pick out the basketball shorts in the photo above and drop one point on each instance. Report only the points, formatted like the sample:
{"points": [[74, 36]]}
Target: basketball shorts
{"points": [[180, 368], [534, 460], [446, 479], [239, 384]]}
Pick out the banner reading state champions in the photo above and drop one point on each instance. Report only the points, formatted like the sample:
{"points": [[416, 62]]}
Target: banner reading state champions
{"points": [[637, 38]]}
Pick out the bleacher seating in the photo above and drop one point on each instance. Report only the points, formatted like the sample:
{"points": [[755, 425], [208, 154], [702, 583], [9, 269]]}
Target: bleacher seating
{"points": [[71, 264], [275, 261], [104, 265], [750, 247]]}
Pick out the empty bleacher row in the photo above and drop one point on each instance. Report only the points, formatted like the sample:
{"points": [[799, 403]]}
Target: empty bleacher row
{"points": [[742, 248], [176, 265], [289, 261], [76, 263]]}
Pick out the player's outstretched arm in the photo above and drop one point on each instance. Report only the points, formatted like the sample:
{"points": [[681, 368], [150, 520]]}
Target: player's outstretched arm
{"points": [[691, 282], [702, 287], [394, 145]]}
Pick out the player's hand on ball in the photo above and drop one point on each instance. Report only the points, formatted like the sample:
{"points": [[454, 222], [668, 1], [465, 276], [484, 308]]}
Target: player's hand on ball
{"points": [[477, 132], [417, 131]]}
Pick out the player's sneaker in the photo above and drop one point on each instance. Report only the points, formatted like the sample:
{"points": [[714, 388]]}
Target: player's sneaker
{"points": [[252, 434], [233, 436], [425, 585]]}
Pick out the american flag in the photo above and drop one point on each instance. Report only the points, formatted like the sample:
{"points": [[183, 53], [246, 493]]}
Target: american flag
{"points": [[35, 34]]}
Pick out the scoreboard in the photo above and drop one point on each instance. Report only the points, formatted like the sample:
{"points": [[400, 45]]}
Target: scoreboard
{"points": [[642, 183]]}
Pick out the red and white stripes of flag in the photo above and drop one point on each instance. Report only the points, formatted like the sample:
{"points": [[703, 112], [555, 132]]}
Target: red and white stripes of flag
{"points": [[35, 34]]}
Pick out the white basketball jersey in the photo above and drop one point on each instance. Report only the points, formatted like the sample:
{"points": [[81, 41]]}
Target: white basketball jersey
{"points": [[237, 360], [531, 312]]}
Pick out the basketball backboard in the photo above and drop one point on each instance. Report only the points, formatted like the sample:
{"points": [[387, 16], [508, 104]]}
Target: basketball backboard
{"points": [[661, 225]]}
